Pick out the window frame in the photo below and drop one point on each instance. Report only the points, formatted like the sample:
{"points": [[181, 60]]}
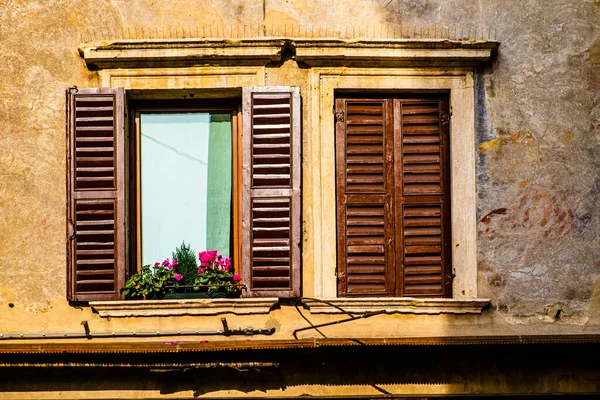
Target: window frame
{"points": [[326, 81], [265, 273], [133, 169]]}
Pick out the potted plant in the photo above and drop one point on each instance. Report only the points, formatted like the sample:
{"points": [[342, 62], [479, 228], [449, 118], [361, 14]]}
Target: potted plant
{"points": [[152, 281], [214, 277]]}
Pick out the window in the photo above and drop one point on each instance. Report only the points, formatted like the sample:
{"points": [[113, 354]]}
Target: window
{"points": [[185, 187], [393, 201], [268, 196]]}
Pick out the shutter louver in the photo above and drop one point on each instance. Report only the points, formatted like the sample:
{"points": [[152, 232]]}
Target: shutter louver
{"points": [[95, 166], [271, 209], [424, 205], [364, 196]]}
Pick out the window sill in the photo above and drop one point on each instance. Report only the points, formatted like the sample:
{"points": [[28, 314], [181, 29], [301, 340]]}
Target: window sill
{"points": [[168, 308], [403, 305]]}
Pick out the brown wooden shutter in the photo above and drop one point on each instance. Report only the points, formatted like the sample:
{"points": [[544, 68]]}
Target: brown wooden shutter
{"points": [[365, 190], [96, 194], [423, 203], [271, 210]]}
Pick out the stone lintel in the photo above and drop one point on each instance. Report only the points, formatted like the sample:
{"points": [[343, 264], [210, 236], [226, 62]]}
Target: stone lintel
{"points": [[162, 308], [312, 52], [403, 305], [394, 52], [181, 52]]}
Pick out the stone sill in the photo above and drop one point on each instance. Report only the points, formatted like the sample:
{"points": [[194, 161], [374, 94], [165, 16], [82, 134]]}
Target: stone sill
{"points": [[169, 308], [403, 305], [164, 308]]}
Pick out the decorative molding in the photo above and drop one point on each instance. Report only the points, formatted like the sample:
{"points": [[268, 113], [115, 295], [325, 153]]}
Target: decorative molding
{"points": [[402, 305], [162, 308], [181, 52], [157, 53], [394, 52], [193, 79]]}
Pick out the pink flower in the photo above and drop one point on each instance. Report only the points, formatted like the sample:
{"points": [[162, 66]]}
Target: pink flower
{"points": [[174, 263], [156, 265], [166, 262], [223, 263], [177, 277], [237, 278], [207, 257]]}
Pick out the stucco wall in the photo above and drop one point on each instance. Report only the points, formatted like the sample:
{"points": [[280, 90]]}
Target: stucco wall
{"points": [[537, 127]]}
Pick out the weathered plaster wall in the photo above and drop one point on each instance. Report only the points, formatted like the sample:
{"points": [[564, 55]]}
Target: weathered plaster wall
{"points": [[537, 124]]}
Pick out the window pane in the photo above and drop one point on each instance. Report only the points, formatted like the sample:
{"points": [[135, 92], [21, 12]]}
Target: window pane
{"points": [[185, 183]]}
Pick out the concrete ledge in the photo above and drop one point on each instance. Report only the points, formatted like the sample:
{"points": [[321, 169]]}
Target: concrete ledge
{"points": [[181, 52], [404, 305], [394, 52], [161, 308]]}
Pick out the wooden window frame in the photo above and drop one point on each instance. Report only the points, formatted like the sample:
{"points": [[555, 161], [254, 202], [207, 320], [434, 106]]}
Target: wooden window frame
{"points": [[134, 170]]}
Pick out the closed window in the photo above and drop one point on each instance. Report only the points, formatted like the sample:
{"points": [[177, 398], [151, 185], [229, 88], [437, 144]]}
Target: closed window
{"points": [[393, 201]]}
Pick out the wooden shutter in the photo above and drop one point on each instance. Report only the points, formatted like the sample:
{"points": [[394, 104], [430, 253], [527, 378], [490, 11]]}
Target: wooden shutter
{"points": [[393, 202], [271, 211], [365, 187], [423, 201], [96, 197]]}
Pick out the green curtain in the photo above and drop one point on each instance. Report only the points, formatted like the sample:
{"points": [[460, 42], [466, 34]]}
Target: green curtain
{"points": [[218, 203]]}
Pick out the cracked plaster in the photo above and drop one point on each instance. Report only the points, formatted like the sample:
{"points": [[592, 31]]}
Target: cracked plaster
{"points": [[537, 123]]}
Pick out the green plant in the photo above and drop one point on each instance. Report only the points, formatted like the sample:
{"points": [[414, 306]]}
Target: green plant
{"points": [[151, 281], [187, 264]]}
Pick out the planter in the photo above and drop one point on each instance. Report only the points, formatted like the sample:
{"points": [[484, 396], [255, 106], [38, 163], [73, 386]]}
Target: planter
{"points": [[201, 294]]}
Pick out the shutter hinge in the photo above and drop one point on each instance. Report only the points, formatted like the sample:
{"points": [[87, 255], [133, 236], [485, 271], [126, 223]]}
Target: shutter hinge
{"points": [[71, 230], [446, 117], [73, 89], [339, 116], [341, 276], [449, 278]]}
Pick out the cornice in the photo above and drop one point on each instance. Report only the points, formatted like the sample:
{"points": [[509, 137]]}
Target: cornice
{"points": [[312, 52]]}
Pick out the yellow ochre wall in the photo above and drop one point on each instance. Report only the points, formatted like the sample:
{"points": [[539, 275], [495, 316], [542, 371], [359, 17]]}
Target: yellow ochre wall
{"points": [[535, 121]]}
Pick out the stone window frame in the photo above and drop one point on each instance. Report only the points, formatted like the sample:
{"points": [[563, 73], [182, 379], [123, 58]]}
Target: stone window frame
{"points": [[321, 148], [401, 65]]}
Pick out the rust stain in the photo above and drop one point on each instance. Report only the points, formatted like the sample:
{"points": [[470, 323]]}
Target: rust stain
{"points": [[546, 216], [490, 145], [519, 136], [567, 138], [488, 217], [537, 209]]}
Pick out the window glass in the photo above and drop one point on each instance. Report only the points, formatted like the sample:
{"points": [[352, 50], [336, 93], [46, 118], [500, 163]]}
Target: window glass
{"points": [[186, 182]]}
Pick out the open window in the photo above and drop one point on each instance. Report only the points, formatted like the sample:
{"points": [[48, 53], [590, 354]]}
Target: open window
{"points": [[208, 175]]}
